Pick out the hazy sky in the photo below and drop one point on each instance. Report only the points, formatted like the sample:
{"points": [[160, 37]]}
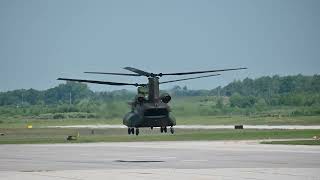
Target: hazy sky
{"points": [[41, 40]]}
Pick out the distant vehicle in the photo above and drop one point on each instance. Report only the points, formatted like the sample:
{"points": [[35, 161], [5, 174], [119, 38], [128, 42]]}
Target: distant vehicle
{"points": [[149, 108]]}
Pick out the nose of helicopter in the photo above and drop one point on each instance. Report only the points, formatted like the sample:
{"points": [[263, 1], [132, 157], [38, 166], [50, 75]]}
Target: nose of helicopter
{"points": [[156, 112]]}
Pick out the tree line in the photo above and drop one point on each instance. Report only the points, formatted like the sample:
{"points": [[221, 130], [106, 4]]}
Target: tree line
{"points": [[68, 93], [298, 90]]}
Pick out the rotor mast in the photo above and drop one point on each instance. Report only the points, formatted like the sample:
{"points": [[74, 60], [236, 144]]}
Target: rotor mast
{"points": [[153, 88]]}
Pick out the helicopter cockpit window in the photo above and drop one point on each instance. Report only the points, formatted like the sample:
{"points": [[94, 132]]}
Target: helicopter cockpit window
{"points": [[143, 91]]}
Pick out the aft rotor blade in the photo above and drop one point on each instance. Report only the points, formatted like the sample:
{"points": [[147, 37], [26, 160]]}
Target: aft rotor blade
{"points": [[198, 77], [101, 82], [200, 72], [120, 74], [138, 71]]}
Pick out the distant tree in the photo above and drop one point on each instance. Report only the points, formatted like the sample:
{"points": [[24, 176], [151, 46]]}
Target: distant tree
{"points": [[64, 92], [236, 100], [219, 103], [185, 88]]}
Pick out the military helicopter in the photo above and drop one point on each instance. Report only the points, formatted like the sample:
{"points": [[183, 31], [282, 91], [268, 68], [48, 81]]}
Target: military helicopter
{"points": [[149, 108]]}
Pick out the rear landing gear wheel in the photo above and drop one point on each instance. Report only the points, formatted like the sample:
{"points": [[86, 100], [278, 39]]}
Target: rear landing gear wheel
{"points": [[172, 130], [129, 131], [132, 130], [151, 128], [137, 131], [161, 129], [165, 129]]}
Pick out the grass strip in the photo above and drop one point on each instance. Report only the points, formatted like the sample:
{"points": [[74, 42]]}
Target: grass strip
{"points": [[294, 142], [51, 135]]}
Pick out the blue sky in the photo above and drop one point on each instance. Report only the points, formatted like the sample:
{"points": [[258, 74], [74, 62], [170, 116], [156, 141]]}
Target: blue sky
{"points": [[41, 40]]}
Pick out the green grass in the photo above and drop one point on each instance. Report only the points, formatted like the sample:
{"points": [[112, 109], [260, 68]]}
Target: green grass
{"points": [[58, 135], [20, 122], [294, 142], [23, 122], [249, 120]]}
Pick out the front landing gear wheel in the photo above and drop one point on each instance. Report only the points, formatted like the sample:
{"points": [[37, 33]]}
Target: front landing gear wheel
{"points": [[172, 130], [161, 129], [165, 129], [129, 131], [132, 130], [137, 131]]}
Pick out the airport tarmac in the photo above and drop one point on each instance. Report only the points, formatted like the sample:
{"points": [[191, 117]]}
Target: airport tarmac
{"points": [[160, 160]]}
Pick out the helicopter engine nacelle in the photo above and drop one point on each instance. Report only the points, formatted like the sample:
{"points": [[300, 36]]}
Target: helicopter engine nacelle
{"points": [[165, 98], [141, 98]]}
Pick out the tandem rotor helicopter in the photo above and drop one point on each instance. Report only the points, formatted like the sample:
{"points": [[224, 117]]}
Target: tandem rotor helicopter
{"points": [[149, 108]]}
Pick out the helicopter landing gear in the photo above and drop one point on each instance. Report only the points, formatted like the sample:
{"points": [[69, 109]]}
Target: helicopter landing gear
{"points": [[172, 130], [131, 131], [163, 129]]}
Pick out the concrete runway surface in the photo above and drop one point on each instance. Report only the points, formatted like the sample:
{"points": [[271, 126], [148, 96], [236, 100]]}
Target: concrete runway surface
{"points": [[159, 160]]}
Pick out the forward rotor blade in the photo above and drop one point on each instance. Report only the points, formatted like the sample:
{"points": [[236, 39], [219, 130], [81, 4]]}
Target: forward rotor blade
{"points": [[121, 74], [102, 82], [189, 78], [200, 72], [138, 71]]}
